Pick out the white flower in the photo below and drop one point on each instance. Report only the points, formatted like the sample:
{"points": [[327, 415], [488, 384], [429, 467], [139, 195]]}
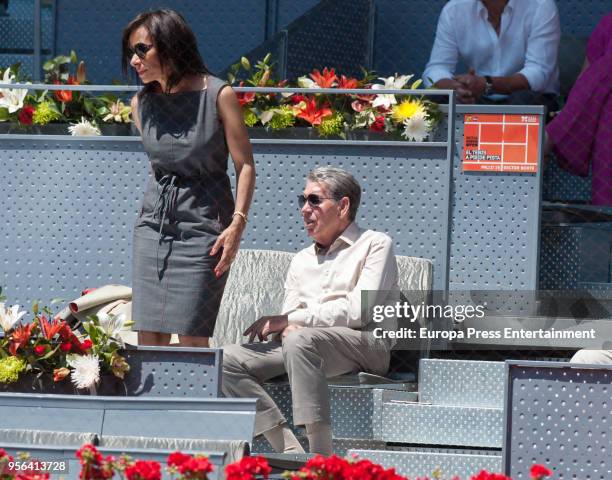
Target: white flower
{"points": [[11, 98], [83, 128], [112, 324], [390, 83], [86, 370], [305, 82], [417, 127], [9, 316]]}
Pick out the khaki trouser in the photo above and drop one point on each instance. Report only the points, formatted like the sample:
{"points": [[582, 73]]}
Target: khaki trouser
{"points": [[309, 356]]}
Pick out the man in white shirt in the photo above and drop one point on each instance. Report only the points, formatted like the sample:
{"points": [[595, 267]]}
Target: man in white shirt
{"points": [[509, 47], [317, 334]]}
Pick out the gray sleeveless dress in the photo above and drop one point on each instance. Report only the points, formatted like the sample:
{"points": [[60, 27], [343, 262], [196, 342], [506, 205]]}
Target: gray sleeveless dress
{"points": [[187, 203]]}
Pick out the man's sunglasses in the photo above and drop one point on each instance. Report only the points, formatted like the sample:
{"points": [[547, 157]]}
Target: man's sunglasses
{"points": [[312, 199], [140, 49]]}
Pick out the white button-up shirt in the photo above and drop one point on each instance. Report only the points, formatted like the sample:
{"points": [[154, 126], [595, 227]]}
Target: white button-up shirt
{"points": [[528, 42], [324, 289]]}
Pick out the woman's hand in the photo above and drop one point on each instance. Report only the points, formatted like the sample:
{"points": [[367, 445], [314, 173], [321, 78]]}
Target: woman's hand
{"points": [[229, 240]]}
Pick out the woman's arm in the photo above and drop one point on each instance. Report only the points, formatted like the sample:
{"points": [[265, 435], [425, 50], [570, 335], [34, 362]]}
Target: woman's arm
{"points": [[240, 149], [135, 114]]}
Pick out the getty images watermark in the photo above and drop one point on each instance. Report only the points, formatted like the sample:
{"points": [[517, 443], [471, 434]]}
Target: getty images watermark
{"points": [[545, 319]]}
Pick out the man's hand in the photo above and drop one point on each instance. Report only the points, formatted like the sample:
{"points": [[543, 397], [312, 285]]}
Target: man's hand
{"points": [[265, 326], [474, 84], [290, 328], [464, 95]]}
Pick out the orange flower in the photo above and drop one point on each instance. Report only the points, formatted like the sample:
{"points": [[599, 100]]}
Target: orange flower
{"points": [[65, 96], [60, 373], [20, 337], [312, 114], [325, 79], [50, 329], [347, 82]]}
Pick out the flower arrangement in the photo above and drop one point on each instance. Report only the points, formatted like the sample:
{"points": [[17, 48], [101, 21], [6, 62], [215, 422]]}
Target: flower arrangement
{"points": [[406, 117], [401, 117], [180, 466], [83, 111], [46, 346]]}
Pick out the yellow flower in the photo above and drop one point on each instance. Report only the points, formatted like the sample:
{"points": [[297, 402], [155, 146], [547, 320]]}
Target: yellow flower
{"points": [[407, 109]]}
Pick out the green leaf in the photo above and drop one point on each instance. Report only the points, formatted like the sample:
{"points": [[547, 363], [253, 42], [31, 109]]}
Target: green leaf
{"points": [[89, 107], [231, 78], [416, 84], [35, 307], [267, 58], [245, 63], [60, 60], [4, 114], [48, 65], [73, 56]]}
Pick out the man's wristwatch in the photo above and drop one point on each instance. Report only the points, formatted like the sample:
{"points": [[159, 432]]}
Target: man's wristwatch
{"points": [[489, 85]]}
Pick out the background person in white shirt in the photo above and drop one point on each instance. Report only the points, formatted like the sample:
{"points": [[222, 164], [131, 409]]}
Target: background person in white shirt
{"points": [[508, 46], [316, 335]]}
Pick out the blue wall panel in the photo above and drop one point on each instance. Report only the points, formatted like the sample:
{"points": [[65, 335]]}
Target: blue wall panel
{"points": [[224, 30]]}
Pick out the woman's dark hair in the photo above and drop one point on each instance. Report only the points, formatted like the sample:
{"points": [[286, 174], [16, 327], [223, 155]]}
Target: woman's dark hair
{"points": [[174, 41]]}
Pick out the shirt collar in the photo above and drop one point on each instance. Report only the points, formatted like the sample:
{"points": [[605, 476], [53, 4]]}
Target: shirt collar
{"points": [[348, 237], [482, 10]]}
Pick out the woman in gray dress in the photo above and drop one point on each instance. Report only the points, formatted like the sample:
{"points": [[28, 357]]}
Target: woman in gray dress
{"points": [[189, 229]]}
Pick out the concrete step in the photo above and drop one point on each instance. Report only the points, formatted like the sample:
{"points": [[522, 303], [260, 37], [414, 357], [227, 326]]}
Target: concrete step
{"points": [[421, 424], [413, 463], [461, 383]]}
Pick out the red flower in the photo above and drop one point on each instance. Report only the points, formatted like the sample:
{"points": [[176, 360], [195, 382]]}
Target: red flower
{"points": [[26, 114], [65, 96], [378, 125], [297, 98], [40, 350], [347, 82], [176, 459], [66, 347], [312, 114], [244, 98], [87, 344], [144, 470], [20, 337], [93, 466], [325, 79], [247, 468], [538, 472], [484, 475], [196, 467]]}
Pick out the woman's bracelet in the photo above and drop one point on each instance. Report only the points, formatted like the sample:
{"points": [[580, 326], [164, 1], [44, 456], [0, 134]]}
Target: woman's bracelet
{"points": [[240, 214]]}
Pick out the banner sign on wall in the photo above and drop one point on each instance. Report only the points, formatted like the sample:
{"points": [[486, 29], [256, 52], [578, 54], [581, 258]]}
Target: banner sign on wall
{"points": [[500, 143]]}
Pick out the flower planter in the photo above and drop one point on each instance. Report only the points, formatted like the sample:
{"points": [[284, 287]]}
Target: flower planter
{"points": [[118, 129], [107, 129], [109, 385], [154, 372]]}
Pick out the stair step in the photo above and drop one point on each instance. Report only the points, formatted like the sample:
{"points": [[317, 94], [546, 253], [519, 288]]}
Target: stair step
{"points": [[461, 383], [418, 423], [356, 410], [414, 464]]}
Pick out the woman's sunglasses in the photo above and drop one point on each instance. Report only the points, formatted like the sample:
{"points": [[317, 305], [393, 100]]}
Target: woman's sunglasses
{"points": [[313, 200], [140, 49]]}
